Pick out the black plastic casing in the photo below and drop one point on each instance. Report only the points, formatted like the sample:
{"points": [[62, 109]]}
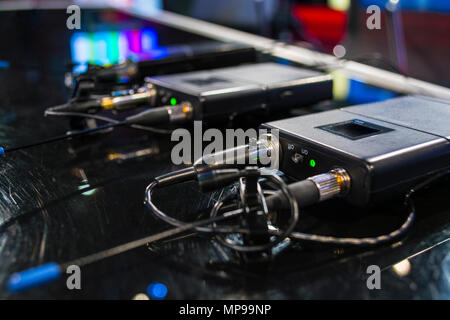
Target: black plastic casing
{"points": [[198, 56], [389, 147], [220, 93]]}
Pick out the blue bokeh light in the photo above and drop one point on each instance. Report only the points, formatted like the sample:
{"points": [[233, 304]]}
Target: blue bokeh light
{"points": [[157, 291]]}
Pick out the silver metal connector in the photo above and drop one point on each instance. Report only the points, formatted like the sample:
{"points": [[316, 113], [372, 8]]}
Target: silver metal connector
{"points": [[333, 183], [263, 153], [180, 112], [147, 96]]}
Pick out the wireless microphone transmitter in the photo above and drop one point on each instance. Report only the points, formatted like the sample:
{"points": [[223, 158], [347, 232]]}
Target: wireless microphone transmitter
{"points": [[219, 93], [386, 147]]}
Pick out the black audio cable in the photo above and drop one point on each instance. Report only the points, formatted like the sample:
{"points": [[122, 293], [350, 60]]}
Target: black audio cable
{"points": [[408, 203], [154, 116], [105, 119], [232, 158], [209, 172], [211, 180], [144, 96], [314, 189], [335, 183], [321, 187], [301, 194]]}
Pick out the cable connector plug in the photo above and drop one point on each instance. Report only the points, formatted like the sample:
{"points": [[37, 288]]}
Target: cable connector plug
{"points": [[314, 189], [333, 183]]}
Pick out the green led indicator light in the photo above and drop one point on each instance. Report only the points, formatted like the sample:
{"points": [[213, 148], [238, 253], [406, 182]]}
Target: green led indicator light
{"points": [[173, 101], [312, 163]]}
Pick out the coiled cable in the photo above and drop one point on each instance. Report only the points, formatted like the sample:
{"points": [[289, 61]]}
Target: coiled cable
{"points": [[372, 241], [294, 210]]}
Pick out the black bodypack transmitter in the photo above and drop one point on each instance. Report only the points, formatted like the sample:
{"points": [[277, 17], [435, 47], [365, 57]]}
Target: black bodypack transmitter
{"points": [[221, 93], [386, 147]]}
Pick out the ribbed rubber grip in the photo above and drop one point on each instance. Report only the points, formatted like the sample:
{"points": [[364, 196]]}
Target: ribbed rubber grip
{"points": [[150, 117], [305, 192]]}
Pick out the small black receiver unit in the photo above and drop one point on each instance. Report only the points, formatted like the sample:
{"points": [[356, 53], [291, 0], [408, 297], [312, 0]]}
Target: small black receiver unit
{"points": [[386, 147], [219, 93]]}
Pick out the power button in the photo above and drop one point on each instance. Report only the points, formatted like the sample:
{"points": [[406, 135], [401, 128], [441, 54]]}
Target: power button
{"points": [[297, 158]]}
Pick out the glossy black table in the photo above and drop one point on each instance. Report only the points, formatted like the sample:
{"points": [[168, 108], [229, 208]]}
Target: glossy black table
{"points": [[69, 199]]}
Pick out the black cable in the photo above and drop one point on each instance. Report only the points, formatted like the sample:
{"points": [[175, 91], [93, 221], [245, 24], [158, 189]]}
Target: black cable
{"points": [[105, 119], [68, 135], [371, 241], [147, 117], [243, 173], [281, 236], [299, 194], [172, 221]]}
